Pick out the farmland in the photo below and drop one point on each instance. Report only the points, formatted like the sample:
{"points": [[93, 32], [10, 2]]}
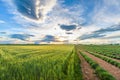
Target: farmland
{"points": [[45, 62], [103, 59], [112, 51], [59, 62]]}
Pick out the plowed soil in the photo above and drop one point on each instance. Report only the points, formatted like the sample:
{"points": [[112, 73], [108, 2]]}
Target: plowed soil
{"points": [[110, 68], [110, 57], [87, 71]]}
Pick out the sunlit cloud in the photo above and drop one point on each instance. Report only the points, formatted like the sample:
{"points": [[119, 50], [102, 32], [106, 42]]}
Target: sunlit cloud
{"points": [[60, 21]]}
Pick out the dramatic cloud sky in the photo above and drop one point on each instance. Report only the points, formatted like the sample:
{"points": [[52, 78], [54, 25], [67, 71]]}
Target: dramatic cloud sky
{"points": [[59, 21]]}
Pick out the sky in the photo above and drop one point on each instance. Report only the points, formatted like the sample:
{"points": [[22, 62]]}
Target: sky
{"points": [[59, 21]]}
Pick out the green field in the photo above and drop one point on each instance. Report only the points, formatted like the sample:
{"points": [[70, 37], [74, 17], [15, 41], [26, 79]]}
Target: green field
{"points": [[54, 62], [44, 62], [112, 51]]}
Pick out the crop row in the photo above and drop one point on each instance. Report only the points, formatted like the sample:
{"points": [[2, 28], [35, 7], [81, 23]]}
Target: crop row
{"points": [[112, 51], [52, 62], [72, 67], [109, 60], [101, 73]]}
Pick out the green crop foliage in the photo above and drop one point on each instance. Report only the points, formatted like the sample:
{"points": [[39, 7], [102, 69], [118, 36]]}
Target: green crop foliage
{"points": [[102, 74], [39, 62], [109, 60], [112, 51]]}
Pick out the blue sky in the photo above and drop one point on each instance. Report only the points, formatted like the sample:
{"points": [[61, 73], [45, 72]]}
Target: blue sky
{"points": [[59, 21]]}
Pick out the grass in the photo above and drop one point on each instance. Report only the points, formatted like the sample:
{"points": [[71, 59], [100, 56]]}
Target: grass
{"points": [[35, 62]]}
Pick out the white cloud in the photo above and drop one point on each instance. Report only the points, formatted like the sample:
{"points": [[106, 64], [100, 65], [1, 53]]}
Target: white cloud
{"points": [[112, 35], [53, 13], [107, 14], [41, 7], [94, 41], [58, 15], [2, 22]]}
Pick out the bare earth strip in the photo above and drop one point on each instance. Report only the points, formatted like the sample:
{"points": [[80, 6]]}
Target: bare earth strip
{"points": [[110, 68], [88, 72], [109, 57]]}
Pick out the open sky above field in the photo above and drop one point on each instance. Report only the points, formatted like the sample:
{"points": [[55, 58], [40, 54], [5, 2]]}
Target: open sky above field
{"points": [[59, 21]]}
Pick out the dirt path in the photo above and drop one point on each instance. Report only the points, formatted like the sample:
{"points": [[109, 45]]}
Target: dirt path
{"points": [[110, 68], [109, 57], [88, 72]]}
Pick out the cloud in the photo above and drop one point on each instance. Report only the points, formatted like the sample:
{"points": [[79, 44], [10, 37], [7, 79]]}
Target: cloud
{"points": [[68, 27], [101, 32], [6, 42], [106, 13], [89, 36], [94, 41], [51, 39], [69, 33], [48, 38], [2, 22], [112, 35], [3, 32], [21, 36], [35, 9], [109, 29], [77, 18]]}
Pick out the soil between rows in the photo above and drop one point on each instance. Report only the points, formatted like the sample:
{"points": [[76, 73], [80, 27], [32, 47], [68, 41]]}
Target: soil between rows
{"points": [[110, 68], [87, 71], [108, 57]]}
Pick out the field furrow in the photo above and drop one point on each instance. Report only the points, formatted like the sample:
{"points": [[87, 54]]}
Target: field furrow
{"points": [[105, 56], [110, 68], [87, 71]]}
